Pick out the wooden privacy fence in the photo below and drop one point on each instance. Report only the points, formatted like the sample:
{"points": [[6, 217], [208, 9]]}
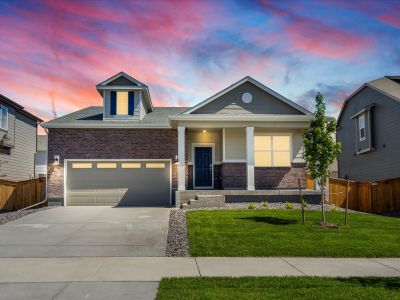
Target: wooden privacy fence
{"points": [[16, 195], [377, 197]]}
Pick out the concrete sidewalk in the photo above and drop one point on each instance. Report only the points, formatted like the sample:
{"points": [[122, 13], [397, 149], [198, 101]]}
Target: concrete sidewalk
{"points": [[101, 269]]}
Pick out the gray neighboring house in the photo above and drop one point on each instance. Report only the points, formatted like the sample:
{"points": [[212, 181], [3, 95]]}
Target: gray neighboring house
{"points": [[127, 152], [18, 129], [369, 130], [41, 156]]}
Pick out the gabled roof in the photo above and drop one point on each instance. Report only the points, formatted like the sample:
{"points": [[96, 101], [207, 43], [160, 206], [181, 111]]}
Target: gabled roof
{"points": [[136, 84], [19, 108], [121, 74], [92, 117], [256, 83], [387, 85]]}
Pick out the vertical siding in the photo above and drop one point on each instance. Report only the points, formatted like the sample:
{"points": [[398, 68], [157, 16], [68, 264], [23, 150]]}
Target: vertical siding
{"points": [[384, 162], [20, 163]]}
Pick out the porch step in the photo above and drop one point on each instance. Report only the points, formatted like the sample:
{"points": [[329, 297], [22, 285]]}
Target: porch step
{"points": [[205, 201]]}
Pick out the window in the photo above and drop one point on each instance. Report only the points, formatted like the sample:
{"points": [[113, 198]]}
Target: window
{"points": [[81, 166], [131, 165], [272, 150], [361, 127], [155, 166], [122, 103], [3, 117], [106, 166]]}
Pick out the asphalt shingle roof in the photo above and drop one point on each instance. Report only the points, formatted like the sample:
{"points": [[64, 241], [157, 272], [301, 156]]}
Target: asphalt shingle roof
{"points": [[93, 115]]}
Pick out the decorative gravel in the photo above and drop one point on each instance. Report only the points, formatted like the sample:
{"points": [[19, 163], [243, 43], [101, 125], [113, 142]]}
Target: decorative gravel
{"points": [[177, 241], [13, 215]]}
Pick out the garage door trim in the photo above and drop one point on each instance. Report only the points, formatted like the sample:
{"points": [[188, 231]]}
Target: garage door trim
{"points": [[68, 160]]}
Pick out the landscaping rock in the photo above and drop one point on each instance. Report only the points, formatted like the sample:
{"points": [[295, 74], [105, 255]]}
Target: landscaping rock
{"points": [[177, 240], [13, 215]]}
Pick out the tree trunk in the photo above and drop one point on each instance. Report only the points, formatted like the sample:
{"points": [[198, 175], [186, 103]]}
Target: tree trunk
{"points": [[322, 200]]}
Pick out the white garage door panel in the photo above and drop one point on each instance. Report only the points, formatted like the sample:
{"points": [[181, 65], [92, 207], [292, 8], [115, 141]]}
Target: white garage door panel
{"points": [[118, 186]]}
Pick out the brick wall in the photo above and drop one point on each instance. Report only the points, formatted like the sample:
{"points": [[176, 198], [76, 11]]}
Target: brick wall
{"points": [[107, 144], [233, 176], [279, 177]]}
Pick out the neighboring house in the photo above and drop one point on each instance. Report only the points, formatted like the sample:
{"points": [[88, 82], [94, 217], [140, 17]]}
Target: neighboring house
{"points": [[41, 156], [128, 152], [18, 129], [369, 131]]}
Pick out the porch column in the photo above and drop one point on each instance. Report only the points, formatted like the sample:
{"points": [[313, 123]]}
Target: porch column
{"points": [[250, 157], [181, 158]]}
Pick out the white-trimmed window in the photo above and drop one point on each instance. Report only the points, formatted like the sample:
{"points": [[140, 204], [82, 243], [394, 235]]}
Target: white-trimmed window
{"points": [[272, 150], [3, 117], [361, 127]]}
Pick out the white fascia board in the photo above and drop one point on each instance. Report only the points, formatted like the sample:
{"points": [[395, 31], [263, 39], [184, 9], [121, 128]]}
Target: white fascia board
{"points": [[120, 87], [256, 83], [208, 117], [121, 74], [110, 125]]}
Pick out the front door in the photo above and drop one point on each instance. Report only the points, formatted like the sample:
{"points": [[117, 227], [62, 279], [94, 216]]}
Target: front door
{"points": [[203, 167]]}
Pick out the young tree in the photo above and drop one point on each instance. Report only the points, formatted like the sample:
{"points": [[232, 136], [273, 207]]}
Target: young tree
{"points": [[320, 148]]}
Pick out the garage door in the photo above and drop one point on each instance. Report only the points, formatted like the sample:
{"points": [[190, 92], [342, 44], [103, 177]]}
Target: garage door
{"points": [[121, 183]]}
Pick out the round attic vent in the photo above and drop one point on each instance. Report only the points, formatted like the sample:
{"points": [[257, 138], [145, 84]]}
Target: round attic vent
{"points": [[247, 97]]}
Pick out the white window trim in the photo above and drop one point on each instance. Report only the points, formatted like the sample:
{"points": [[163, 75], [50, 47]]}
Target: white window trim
{"points": [[1, 117], [272, 152], [359, 128]]}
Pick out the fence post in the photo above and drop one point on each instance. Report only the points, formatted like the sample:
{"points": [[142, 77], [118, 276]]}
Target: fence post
{"points": [[347, 202], [302, 203]]}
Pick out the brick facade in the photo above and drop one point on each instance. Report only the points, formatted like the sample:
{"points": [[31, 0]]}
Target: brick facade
{"points": [[233, 176], [107, 144], [279, 177]]}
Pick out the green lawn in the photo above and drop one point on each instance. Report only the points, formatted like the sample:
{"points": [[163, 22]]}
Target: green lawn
{"points": [[281, 233], [250, 288]]}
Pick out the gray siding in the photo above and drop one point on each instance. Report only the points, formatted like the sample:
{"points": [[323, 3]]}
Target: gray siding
{"points": [[121, 81], [107, 107], [384, 161], [19, 162], [262, 103]]}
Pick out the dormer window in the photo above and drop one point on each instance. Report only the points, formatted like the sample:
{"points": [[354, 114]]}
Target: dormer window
{"points": [[122, 103], [361, 127]]}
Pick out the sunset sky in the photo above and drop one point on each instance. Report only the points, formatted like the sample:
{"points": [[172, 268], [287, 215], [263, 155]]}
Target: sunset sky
{"points": [[53, 53]]}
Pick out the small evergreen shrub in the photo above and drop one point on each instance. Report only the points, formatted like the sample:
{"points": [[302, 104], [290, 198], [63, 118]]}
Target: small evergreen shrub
{"points": [[265, 204], [334, 207], [288, 205], [252, 206], [305, 203]]}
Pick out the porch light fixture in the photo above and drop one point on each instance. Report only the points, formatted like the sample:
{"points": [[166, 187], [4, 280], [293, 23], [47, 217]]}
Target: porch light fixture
{"points": [[204, 131], [56, 160]]}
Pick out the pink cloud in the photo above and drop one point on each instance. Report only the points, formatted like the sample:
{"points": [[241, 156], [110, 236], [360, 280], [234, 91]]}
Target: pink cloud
{"points": [[391, 18]]}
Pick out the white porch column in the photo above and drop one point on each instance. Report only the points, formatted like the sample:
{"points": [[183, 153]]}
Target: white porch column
{"points": [[181, 158], [250, 157]]}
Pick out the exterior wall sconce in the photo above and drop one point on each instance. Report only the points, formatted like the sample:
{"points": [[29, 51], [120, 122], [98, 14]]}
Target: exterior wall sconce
{"points": [[176, 158], [56, 160]]}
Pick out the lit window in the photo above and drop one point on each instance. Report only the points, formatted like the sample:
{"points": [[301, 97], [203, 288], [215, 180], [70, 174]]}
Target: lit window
{"points": [[81, 166], [131, 165], [155, 166], [361, 127], [3, 117], [272, 151], [106, 166], [122, 103]]}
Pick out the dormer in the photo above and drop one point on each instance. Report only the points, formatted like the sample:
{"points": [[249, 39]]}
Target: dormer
{"points": [[124, 98]]}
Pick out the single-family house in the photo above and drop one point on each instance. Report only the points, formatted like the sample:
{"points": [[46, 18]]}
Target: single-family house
{"points": [[245, 138], [369, 131], [18, 131]]}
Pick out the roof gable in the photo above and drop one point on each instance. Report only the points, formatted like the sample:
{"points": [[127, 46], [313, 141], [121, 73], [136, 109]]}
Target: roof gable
{"points": [[264, 101], [386, 85], [121, 78]]}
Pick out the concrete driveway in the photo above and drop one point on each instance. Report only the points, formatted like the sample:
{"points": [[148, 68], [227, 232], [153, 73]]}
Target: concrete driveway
{"points": [[87, 231]]}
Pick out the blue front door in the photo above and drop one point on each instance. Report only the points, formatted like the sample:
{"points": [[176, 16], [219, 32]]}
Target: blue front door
{"points": [[203, 167]]}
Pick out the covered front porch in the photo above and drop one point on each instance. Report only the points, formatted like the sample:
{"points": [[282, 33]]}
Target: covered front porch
{"points": [[234, 156]]}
